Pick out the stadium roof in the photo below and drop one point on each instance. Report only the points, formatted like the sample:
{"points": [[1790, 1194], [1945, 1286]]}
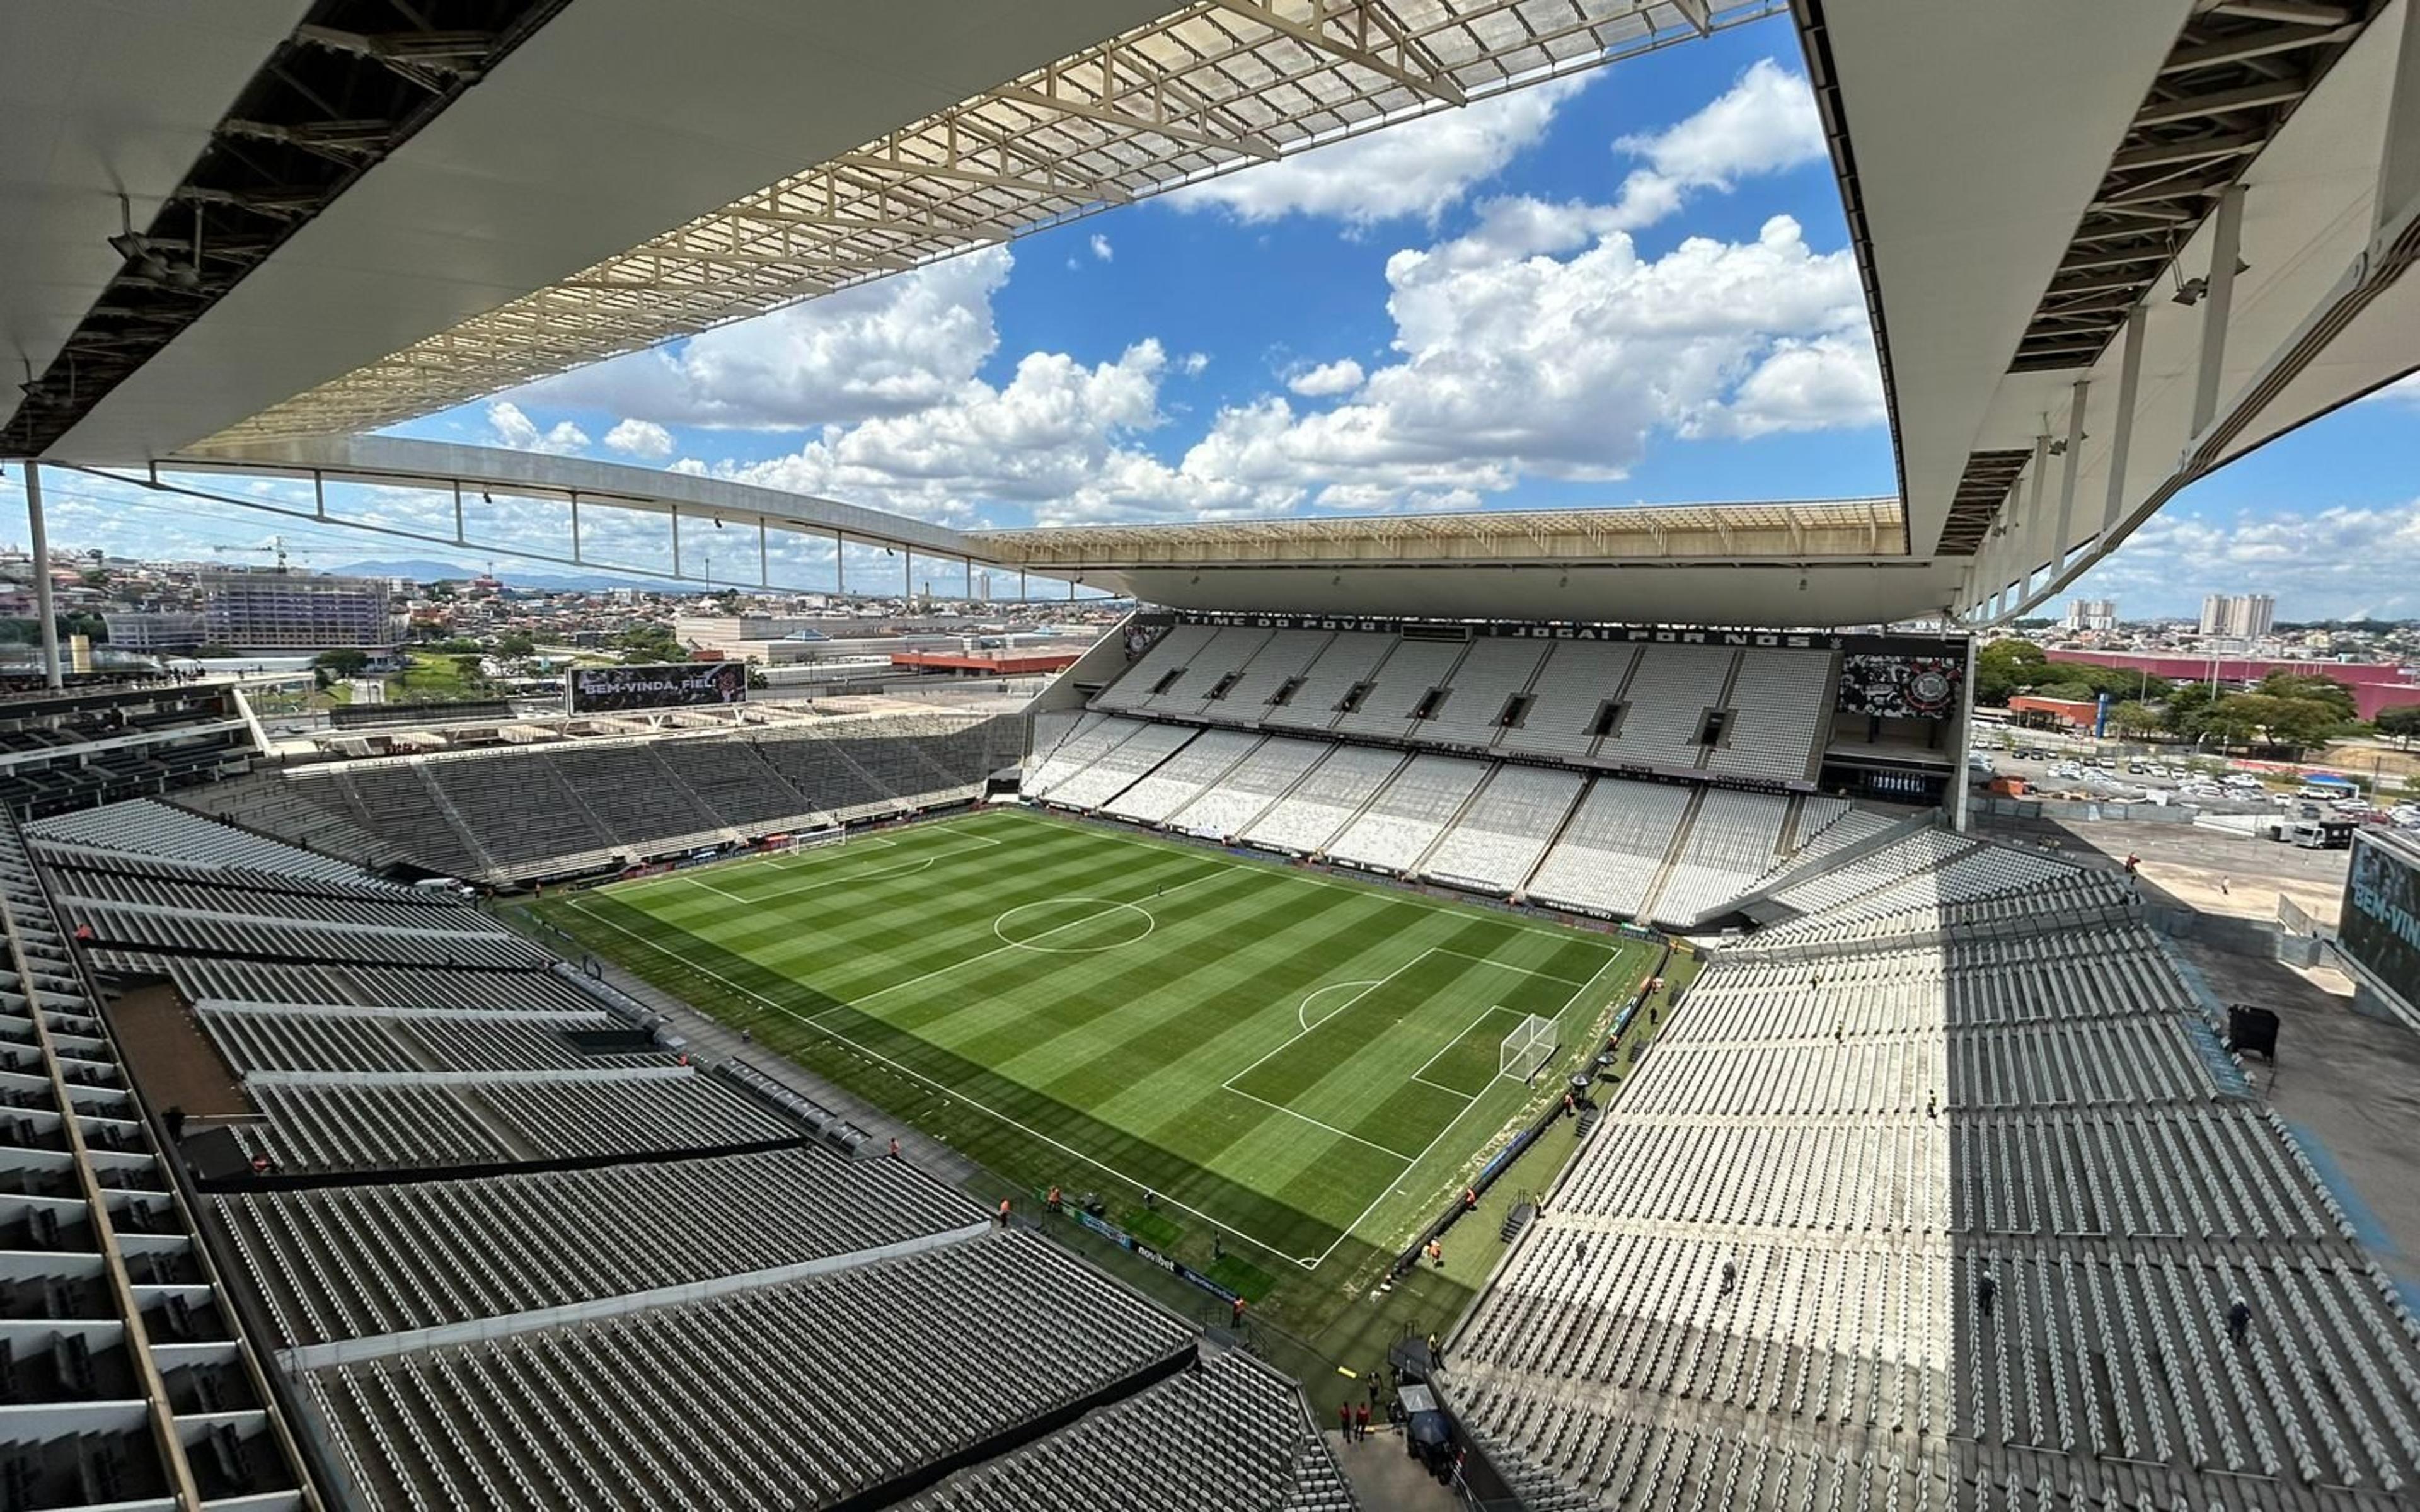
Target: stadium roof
{"points": [[2107, 247]]}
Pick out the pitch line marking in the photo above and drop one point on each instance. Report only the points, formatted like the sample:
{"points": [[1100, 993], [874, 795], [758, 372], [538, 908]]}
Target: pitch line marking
{"points": [[1031, 1133], [1000, 949], [1341, 1134], [1419, 1076], [1230, 1082], [1150, 923], [1302, 1010], [1491, 961], [1449, 1126]]}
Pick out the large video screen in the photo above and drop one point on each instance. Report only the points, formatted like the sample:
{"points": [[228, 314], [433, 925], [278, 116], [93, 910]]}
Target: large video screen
{"points": [[1900, 686], [2381, 926], [667, 685]]}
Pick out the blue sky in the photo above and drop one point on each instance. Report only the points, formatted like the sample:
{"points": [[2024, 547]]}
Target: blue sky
{"points": [[1630, 287]]}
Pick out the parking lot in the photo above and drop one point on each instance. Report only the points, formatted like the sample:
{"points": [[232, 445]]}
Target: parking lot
{"points": [[2051, 769]]}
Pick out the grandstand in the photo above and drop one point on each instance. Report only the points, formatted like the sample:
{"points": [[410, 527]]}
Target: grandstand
{"points": [[497, 1235], [598, 797], [1626, 773], [1943, 1194]]}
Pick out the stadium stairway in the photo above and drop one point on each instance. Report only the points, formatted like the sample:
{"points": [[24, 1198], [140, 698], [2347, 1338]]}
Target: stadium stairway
{"points": [[463, 830], [1672, 853], [1722, 701]]}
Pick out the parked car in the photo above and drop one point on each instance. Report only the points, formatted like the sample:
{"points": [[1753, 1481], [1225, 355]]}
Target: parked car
{"points": [[2136, 769]]}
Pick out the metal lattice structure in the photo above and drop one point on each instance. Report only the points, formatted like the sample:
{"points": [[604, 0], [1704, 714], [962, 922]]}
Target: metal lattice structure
{"points": [[1814, 528], [1214, 87]]}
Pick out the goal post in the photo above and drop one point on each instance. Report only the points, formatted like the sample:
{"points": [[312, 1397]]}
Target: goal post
{"points": [[1526, 1049], [813, 840]]}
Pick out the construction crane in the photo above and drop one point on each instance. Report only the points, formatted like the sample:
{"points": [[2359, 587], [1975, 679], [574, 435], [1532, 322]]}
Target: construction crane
{"points": [[276, 547]]}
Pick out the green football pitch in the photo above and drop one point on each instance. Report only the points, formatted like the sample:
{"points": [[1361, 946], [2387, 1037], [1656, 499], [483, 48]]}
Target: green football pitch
{"points": [[1292, 1058]]}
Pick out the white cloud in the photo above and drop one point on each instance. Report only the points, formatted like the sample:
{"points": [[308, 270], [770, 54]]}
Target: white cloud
{"points": [[1101, 248], [1416, 168], [517, 432], [1824, 383], [642, 438], [889, 348], [2340, 562], [1327, 379], [2403, 391], [1540, 343], [1766, 122]]}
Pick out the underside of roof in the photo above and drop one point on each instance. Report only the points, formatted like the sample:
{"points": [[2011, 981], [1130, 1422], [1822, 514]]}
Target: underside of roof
{"points": [[1218, 85]]}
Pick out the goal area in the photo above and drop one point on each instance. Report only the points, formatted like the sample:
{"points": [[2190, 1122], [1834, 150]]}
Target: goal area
{"points": [[1526, 1049]]}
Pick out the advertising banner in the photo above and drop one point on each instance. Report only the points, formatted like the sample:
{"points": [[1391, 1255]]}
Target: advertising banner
{"points": [[668, 685], [2379, 927]]}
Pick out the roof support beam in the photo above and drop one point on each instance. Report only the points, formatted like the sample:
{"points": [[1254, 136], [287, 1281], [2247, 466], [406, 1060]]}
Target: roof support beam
{"points": [[2200, 107], [2287, 39], [910, 167], [2218, 304], [1242, 144], [1434, 86], [2201, 149]]}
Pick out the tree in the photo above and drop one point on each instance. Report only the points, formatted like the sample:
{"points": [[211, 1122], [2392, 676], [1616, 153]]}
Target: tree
{"points": [[2006, 668], [2134, 717], [342, 662], [470, 671], [2401, 724], [2071, 692], [515, 644], [2312, 686]]}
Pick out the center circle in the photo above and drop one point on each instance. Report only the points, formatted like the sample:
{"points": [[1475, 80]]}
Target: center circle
{"points": [[1074, 926]]}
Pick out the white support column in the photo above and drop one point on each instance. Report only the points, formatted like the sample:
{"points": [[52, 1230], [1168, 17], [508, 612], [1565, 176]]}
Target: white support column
{"points": [[2067, 479], [907, 576], [839, 562], [2032, 545], [2399, 167], [2130, 382], [44, 608], [764, 556], [2218, 303]]}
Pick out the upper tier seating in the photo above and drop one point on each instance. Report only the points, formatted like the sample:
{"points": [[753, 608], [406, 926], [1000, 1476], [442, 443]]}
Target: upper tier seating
{"points": [[1166, 657], [1568, 697], [1666, 705], [803, 1394], [1345, 663], [1777, 718], [1223, 656], [1412, 671], [1495, 668], [1283, 657]]}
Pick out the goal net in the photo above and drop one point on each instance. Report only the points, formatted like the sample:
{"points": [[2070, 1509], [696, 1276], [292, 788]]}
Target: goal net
{"points": [[811, 840], [1525, 1048]]}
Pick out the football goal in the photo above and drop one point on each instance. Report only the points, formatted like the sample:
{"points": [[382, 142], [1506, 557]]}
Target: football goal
{"points": [[810, 840], [1526, 1049]]}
